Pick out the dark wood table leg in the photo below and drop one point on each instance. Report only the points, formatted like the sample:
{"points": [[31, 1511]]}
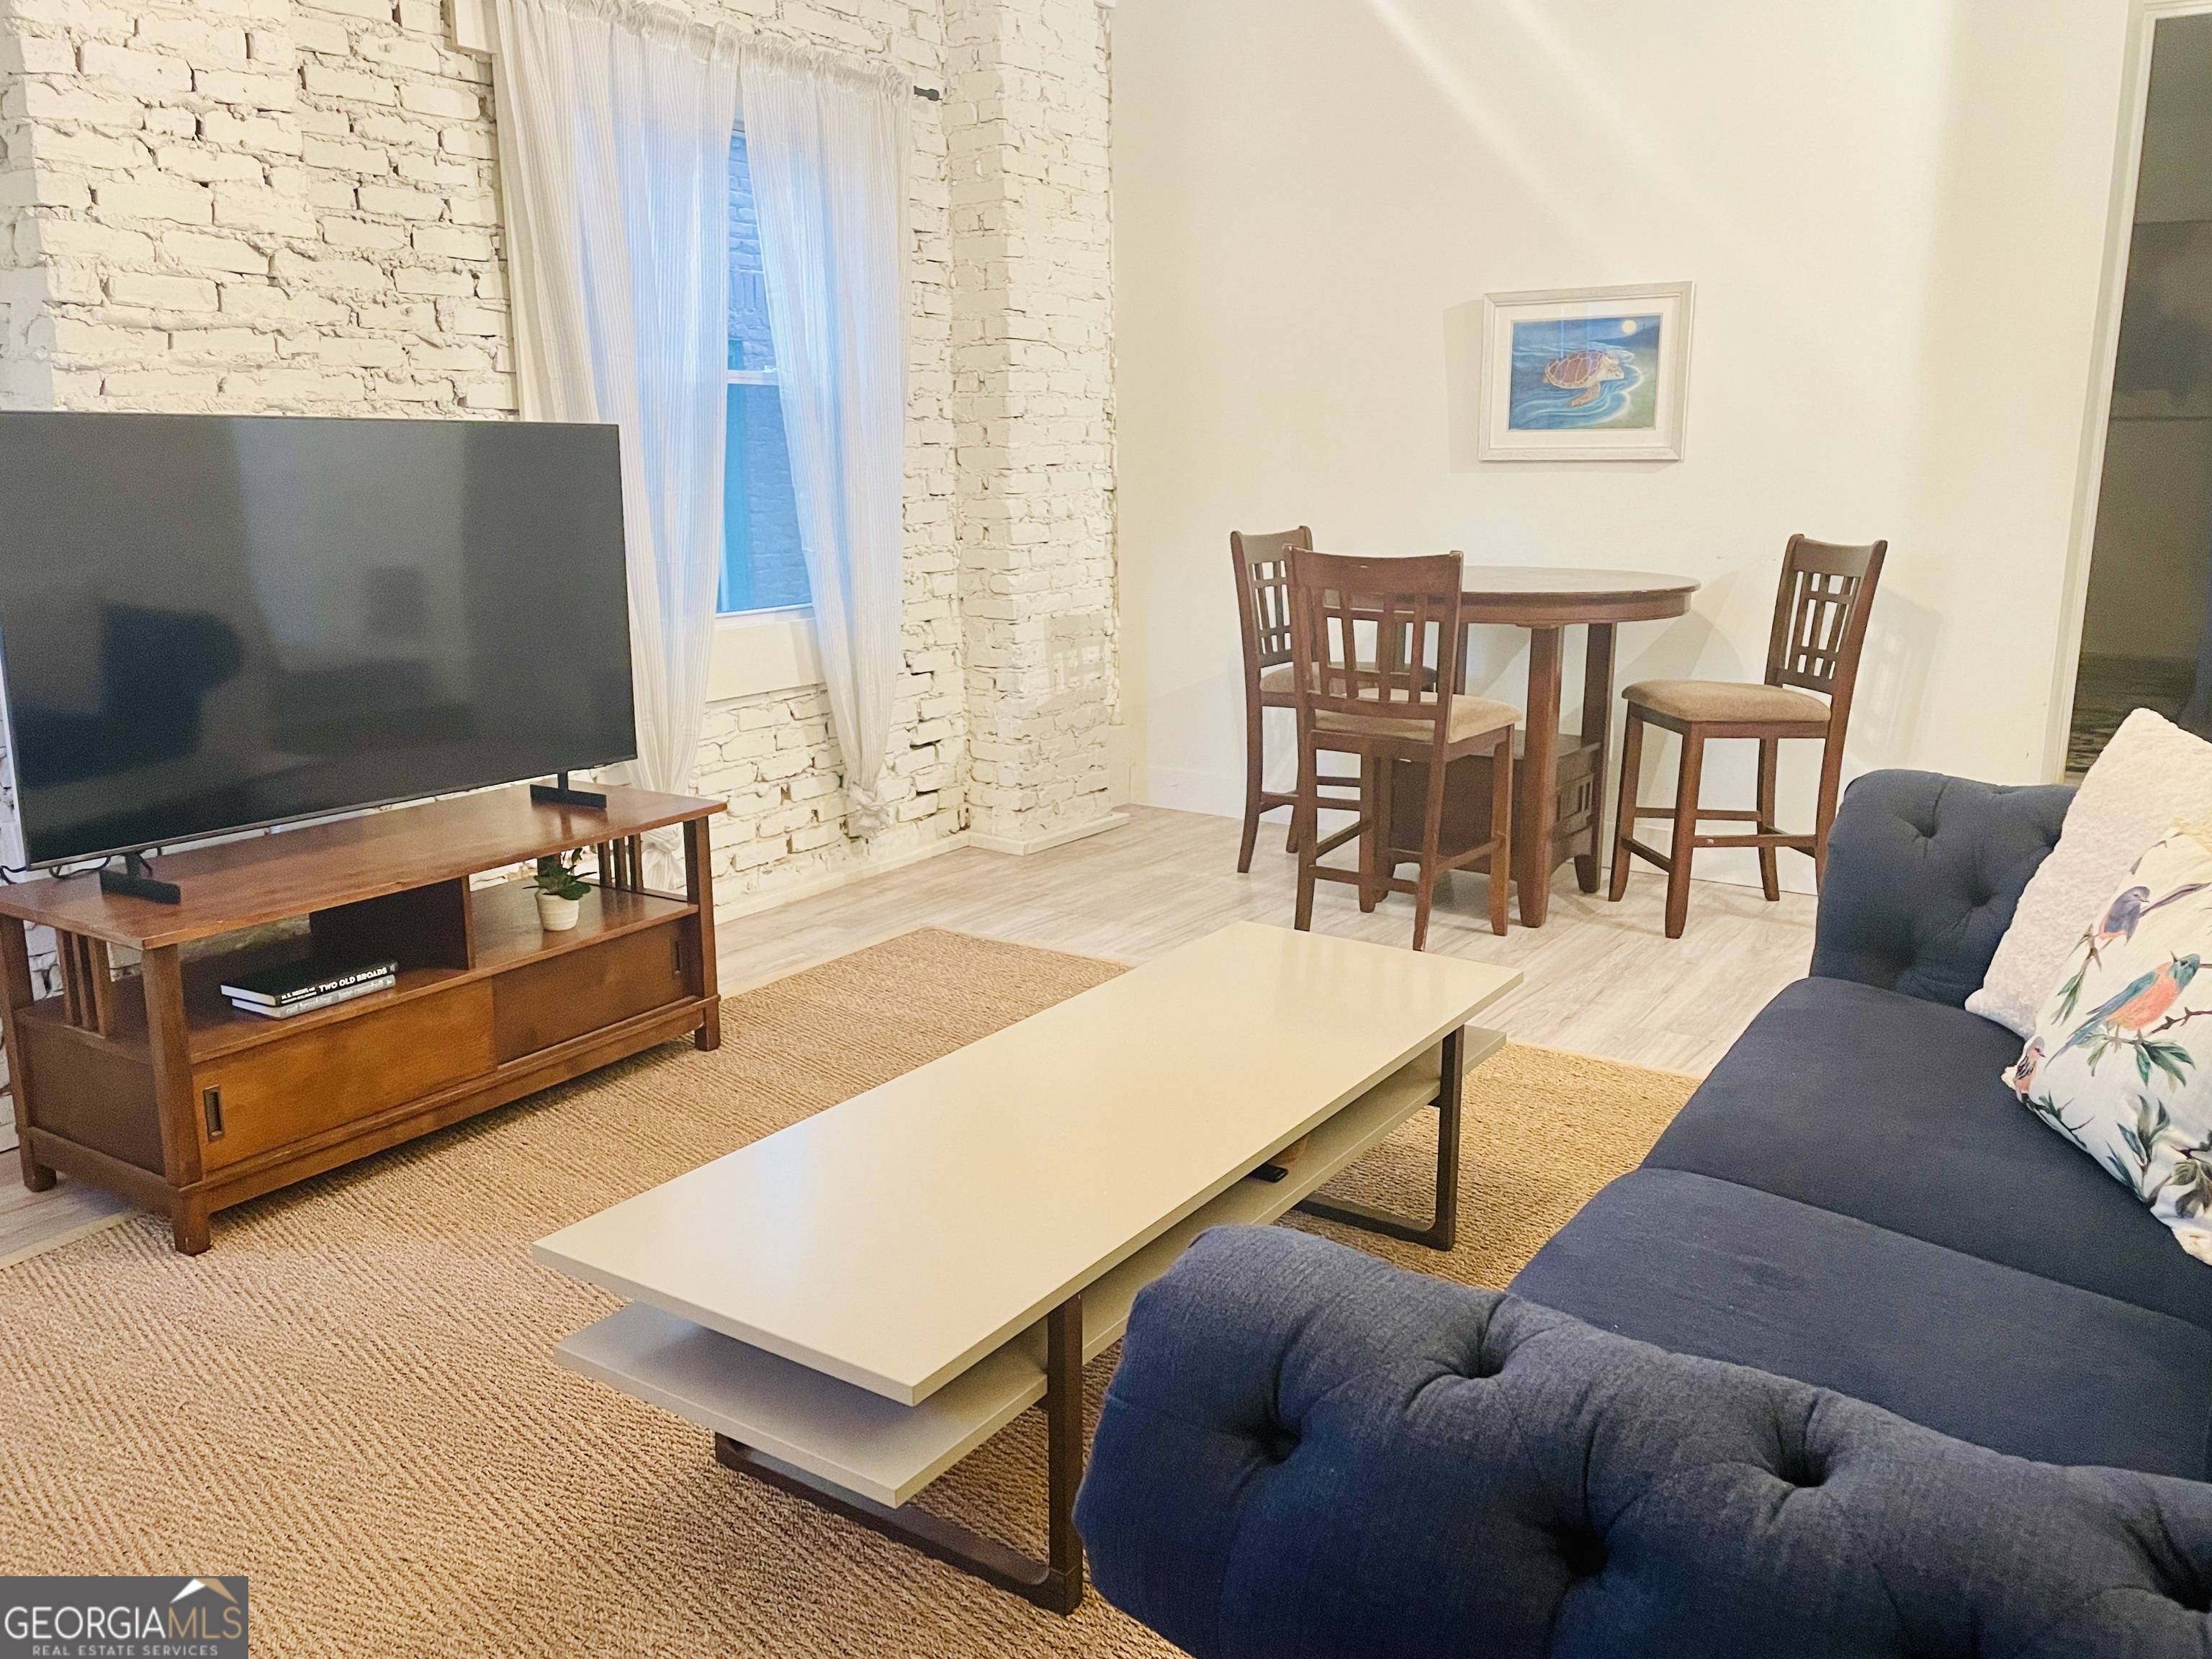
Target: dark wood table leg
{"points": [[1065, 1445], [17, 993], [161, 975], [1055, 1583], [1443, 1228], [1597, 727], [699, 889], [1371, 770], [1534, 856]]}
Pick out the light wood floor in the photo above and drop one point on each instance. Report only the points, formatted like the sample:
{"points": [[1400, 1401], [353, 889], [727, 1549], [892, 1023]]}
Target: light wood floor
{"points": [[1598, 978], [1601, 979]]}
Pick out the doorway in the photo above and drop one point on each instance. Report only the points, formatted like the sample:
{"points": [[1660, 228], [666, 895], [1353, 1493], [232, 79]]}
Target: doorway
{"points": [[2145, 642]]}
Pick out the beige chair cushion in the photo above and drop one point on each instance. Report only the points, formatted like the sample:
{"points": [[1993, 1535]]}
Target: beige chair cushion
{"points": [[1470, 717], [1725, 700], [1282, 676]]}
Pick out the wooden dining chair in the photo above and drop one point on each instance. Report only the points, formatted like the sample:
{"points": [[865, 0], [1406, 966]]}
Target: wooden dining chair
{"points": [[1262, 565], [1396, 705], [1820, 629]]}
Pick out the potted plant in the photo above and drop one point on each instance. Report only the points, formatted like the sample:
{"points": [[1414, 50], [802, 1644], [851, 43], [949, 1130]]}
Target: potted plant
{"points": [[560, 892]]}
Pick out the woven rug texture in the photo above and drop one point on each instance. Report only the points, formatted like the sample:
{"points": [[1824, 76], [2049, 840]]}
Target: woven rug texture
{"points": [[352, 1399]]}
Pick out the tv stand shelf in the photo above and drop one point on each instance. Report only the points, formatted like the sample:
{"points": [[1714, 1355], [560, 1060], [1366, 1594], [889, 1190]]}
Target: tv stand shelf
{"points": [[149, 1084]]}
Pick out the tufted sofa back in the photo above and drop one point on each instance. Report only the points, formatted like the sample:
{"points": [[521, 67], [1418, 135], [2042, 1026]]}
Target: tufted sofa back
{"points": [[1923, 871], [1307, 1453]]}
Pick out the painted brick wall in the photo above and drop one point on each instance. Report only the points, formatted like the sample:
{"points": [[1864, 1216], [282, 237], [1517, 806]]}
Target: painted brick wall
{"points": [[291, 206], [1033, 357], [252, 205]]}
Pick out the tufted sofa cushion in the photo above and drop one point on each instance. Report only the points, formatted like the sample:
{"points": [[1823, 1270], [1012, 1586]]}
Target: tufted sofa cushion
{"points": [[1969, 1348], [1890, 1108], [1923, 871], [1307, 1452]]}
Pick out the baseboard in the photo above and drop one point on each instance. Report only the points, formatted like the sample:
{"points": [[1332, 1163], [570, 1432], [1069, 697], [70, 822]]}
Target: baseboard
{"points": [[1738, 867], [1121, 765], [754, 903], [774, 898], [1046, 844], [1216, 794]]}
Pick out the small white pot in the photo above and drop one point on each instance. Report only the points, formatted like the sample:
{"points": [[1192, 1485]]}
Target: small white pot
{"points": [[557, 915]]}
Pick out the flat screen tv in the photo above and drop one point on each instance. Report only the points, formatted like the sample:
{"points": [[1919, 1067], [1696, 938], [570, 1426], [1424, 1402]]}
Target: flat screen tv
{"points": [[211, 623]]}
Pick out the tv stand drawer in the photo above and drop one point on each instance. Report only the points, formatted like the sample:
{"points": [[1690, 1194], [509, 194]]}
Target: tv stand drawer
{"points": [[583, 990], [340, 1072]]}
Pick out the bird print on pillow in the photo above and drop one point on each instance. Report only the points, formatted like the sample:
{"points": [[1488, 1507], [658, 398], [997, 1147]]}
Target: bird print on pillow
{"points": [[2133, 1015], [2123, 1081], [2121, 919]]}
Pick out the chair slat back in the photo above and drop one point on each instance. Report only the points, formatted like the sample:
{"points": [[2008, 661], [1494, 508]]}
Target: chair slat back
{"points": [[1820, 616], [1375, 637], [1262, 564]]}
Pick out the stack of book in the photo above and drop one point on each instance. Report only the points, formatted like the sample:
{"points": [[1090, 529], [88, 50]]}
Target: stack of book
{"points": [[303, 987]]}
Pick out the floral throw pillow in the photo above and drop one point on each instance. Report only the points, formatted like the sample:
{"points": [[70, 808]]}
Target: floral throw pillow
{"points": [[2118, 1062]]}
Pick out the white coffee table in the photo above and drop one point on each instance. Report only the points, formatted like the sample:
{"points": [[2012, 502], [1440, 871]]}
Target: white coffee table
{"points": [[853, 1304]]}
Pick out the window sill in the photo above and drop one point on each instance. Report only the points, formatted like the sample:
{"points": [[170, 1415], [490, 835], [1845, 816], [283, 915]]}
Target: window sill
{"points": [[758, 652]]}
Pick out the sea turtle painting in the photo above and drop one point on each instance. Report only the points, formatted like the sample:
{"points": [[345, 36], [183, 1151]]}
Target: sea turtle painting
{"points": [[1585, 372], [1571, 373]]}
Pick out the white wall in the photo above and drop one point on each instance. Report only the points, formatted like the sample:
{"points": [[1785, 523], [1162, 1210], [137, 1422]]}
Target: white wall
{"points": [[1894, 212]]}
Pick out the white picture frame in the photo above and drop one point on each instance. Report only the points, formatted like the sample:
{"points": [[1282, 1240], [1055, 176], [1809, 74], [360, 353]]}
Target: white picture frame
{"points": [[1567, 374]]}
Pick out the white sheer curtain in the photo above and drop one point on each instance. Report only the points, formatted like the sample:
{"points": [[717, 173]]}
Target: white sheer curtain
{"points": [[825, 142], [614, 138]]}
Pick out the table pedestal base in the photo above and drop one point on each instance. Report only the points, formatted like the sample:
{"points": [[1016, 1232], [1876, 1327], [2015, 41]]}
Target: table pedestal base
{"points": [[1575, 820], [1547, 603]]}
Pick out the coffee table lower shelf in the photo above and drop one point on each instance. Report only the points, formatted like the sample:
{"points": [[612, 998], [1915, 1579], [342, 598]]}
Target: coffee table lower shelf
{"points": [[845, 1440]]}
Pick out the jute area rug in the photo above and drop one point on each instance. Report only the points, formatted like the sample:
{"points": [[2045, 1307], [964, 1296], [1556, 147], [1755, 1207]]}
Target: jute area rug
{"points": [[351, 1398]]}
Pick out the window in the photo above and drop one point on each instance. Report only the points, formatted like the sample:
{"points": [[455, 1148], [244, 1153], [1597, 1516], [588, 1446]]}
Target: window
{"points": [[763, 568]]}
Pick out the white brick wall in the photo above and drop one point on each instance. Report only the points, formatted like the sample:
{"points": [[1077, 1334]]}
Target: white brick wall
{"points": [[292, 206], [261, 206], [1032, 355]]}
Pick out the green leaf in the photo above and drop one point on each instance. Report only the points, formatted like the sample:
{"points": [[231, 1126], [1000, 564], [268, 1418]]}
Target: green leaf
{"points": [[2190, 1182], [556, 874], [2071, 993], [2170, 1058]]}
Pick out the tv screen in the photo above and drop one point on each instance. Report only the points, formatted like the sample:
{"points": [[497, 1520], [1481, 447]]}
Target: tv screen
{"points": [[211, 623]]}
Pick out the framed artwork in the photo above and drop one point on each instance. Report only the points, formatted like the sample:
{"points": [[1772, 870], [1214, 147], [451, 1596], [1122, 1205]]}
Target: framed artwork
{"points": [[1585, 374]]}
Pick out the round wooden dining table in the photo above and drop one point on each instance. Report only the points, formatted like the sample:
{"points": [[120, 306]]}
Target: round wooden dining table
{"points": [[1560, 787]]}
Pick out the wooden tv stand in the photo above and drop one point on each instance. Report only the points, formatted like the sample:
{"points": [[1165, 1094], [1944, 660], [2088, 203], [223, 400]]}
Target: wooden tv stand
{"points": [[152, 1086]]}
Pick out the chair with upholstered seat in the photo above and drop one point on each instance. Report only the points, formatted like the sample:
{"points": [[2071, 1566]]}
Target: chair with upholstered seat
{"points": [[1820, 629], [1374, 653], [1262, 566]]}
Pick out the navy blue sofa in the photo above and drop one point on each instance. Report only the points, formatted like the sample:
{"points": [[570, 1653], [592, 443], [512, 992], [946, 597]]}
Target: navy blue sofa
{"points": [[1863, 1360]]}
